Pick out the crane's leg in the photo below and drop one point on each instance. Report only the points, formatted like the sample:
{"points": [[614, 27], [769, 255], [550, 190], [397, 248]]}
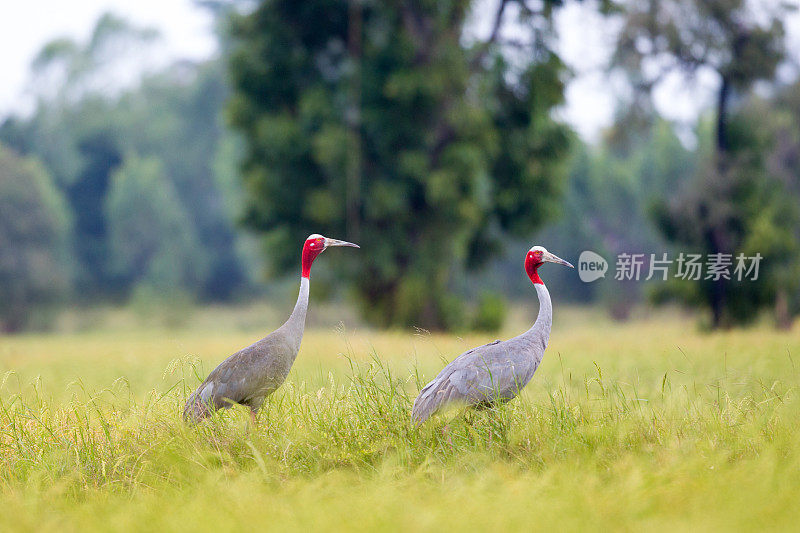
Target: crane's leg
{"points": [[253, 419], [446, 433]]}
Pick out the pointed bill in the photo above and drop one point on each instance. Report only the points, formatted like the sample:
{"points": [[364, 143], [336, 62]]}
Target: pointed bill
{"points": [[552, 258], [337, 242]]}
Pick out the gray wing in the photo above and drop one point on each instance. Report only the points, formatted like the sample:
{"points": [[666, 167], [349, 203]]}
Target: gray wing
{"points": [[485, 374], [245, 377]]}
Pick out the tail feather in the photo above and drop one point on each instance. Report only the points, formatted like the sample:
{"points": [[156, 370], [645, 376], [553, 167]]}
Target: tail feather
{"points": [[196, 410], [431, 398]]}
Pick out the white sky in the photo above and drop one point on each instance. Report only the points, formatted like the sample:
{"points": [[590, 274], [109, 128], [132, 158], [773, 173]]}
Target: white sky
{"points": [[25, 26]]}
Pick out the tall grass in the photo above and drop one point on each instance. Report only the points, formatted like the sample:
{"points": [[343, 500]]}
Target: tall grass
{"points": [[588, 444]]}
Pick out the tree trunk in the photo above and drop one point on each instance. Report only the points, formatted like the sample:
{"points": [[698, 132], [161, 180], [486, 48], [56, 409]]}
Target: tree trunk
{"points": [[717, 234], [783, 318], [353, 178], [722, 119], [14, 322]]}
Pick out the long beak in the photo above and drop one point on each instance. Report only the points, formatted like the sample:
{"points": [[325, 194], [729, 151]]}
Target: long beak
{"points": [[555, 259], [337, 242]]}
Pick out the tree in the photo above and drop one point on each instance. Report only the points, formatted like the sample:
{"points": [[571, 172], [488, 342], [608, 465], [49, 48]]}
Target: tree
{"points": [[152, 240], [376, 121], [34, 235], [101, 155], [771, 126], [756, 211], [66, 71], [726, 37], [176, 117], [784, 165], [82, 129], [73, 133], [611, 188]]}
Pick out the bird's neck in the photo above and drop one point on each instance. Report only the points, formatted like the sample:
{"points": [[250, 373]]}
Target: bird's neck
{"points": [[544, 320], [297, 320]]}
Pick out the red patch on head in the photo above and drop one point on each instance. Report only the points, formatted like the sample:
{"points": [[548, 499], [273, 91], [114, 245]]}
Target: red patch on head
{"points": [[311, 249], [532, 263]]}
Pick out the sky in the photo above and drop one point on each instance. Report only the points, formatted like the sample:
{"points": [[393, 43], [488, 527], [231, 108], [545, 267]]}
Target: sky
{"points": [[27, 25], [186, 29]]}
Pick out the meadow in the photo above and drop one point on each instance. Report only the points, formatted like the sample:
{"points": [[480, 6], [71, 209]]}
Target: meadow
{"points": [[650, 424]]}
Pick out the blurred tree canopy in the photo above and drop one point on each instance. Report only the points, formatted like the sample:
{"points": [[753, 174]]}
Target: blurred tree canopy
{"points": [[731, 196], [378, 122], [152, 239], [392, 125], [782, 163], [113, 141], [35, 263], [612, 187]]}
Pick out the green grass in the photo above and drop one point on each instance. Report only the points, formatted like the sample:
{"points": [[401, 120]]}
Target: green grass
{"points": [[645, 425]]}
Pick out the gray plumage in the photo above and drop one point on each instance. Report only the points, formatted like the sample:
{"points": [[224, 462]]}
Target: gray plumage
{"points": [[494, 372], [255, 372]]}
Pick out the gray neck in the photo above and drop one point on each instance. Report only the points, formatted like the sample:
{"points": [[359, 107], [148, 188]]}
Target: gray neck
{"points": [[544, 321], [297, 320]]}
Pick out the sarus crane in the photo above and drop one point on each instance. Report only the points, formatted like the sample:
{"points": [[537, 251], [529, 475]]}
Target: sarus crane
{"points": [[497, 371], [255, 372]]}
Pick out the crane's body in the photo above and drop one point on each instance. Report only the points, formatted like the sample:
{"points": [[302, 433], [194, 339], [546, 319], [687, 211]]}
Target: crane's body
{"points": [[497, 371], [250, 375]]}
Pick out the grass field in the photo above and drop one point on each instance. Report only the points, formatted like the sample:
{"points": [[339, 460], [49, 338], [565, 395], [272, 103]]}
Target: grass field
{"points": [[648, 425]]}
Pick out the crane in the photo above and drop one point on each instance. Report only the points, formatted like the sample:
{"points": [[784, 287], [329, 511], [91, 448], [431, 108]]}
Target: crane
{"points": [[255, 372], [497, 371]]}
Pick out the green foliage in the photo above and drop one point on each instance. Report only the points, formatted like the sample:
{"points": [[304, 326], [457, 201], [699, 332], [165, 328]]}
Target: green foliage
{"points": [[35, 265], [84, 131], [607, 203], [491, 313], [152, 240], [180, 124], [420, 148], [100, 154], [748, 208], [720, 34], [784, 167], [730, 196], [66, 71], [156, 306]]}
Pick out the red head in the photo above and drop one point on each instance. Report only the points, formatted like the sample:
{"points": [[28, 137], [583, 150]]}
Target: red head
{"points": [[315, 244], [535, 258]]}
